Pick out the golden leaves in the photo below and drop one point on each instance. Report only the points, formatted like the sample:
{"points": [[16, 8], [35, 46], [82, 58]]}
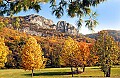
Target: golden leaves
{"points": [[32, 55], [3, 52], [75, 53]]}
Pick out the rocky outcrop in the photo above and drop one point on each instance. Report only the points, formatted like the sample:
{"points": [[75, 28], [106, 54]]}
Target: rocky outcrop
{"points": [[40, 21], [64, 27], [36, 23]]}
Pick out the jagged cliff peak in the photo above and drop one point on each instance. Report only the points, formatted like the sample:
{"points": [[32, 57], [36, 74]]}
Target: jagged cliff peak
{"points": [[34, 24], [43, 23]]}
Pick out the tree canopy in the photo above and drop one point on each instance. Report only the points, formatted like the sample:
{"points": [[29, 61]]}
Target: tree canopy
{"points": [[84, 54], [32, 55], [74, 8], [4, 51], [69, 54], [107, 51]]}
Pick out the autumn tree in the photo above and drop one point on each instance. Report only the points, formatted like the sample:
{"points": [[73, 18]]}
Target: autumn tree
{"points": [[2, 25], [32, 55], [69, 54], [93, 58], [51, 47], [16, 23], [74, 8], [3, 22], [4, 51], [107, 51], [84, 54], [14, 58]]}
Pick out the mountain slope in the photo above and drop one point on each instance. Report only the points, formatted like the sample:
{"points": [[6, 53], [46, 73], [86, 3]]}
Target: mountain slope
{"points": [[114, 33]]}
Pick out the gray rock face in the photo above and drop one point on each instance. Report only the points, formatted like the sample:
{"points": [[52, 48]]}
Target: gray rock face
{"points": [[64, 27], [40, 21], [36, 23]]}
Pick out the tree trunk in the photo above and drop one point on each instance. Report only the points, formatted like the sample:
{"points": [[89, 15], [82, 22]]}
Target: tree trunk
{"points": [[72, 70], [83, 68], [104, 74], [108, 72], [32, 73], [77, 70]]}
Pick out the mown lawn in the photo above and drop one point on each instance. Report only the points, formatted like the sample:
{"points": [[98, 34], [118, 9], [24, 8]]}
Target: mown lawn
{"points": [[55, 73]]}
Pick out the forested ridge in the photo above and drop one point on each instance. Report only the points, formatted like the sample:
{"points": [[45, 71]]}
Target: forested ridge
{"points": [[114, 33]]}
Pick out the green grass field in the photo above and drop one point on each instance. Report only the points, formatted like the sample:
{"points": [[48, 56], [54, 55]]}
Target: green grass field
{"points": [[55, 73]]}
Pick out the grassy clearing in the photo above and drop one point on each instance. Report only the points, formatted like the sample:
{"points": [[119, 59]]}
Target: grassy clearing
{"points": [[55, 73]]}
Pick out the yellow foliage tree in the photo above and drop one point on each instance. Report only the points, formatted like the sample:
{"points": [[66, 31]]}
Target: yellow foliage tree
{"points": [[69, 54], [32, 55], [3, 52]]}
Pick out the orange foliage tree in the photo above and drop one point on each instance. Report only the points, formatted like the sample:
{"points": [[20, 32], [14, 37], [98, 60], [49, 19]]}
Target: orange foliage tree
{"points": [[76, 54], [93, 58], [84, 54]]}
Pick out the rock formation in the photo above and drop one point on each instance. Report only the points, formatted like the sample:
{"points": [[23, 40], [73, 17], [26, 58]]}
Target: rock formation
{"points": [[64, 27], [38, 25], [40, 21]]}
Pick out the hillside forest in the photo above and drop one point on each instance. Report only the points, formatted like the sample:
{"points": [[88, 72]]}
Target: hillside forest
{"points": [[19, 50]]}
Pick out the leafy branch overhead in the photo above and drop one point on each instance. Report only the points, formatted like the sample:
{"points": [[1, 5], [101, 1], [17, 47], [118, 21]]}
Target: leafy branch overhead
{"points": [[74, 8], [77, 8], [15, 6]]}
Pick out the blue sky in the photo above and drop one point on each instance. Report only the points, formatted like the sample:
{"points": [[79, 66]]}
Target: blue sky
{"points": [[108, 16]]}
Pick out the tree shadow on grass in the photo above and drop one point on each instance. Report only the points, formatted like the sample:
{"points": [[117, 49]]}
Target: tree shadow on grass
{"points": [[48, 74], [92, 76], [56, 74], [95, 68]]}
